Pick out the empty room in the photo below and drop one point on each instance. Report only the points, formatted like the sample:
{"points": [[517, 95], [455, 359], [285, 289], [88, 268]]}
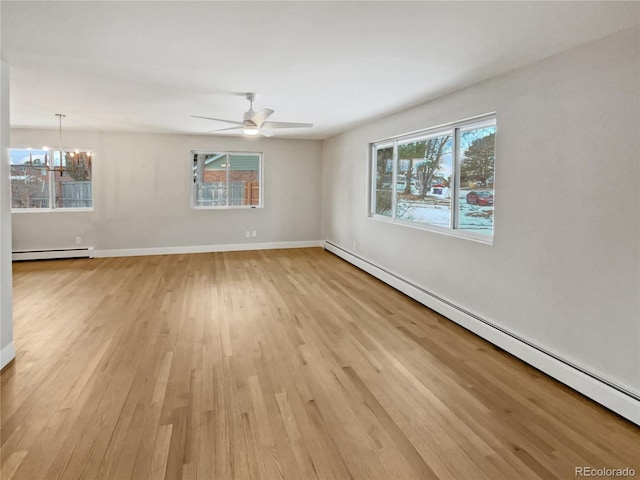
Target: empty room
{"points": [[310, 240]]}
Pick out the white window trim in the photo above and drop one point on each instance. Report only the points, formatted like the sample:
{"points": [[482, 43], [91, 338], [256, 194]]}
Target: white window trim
{"points": [[225, 207], [455, 128]]}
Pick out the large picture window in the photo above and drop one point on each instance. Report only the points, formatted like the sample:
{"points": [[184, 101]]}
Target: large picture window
{"points": [[42, 180], [226, 179], [440, 179]]}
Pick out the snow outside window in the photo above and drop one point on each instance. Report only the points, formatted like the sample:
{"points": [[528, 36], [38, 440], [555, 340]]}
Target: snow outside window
{"points": [[439, 179]]}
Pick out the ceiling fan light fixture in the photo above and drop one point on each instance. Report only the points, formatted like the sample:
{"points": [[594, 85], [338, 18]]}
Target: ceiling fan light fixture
{"points": [[251, 130]]}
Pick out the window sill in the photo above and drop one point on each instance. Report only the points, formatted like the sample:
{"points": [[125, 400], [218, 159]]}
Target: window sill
{"points": [[230, 207], [51, 210], [474, 237]]}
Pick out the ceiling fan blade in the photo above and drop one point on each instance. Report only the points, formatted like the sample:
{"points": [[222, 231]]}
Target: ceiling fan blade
{"points": [[261, 116], [219, 120], [227, 129], [266, 133], [286, 125]]}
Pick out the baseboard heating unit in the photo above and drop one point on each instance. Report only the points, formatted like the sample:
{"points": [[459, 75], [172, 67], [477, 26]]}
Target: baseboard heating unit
{"points": [[54, 253]]}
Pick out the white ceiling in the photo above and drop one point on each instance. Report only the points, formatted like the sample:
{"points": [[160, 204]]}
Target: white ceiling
{"points": [[148, 66]]}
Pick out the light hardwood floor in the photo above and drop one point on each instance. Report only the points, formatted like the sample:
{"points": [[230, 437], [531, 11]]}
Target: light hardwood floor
{"points": [[273, 364]]}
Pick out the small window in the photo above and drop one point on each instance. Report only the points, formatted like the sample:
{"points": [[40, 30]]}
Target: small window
{"points": [[226, 180], [440, 179], [41, 180]]}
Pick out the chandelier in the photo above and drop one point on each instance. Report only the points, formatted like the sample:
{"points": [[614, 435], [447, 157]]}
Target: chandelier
{"points": [[74, 161]]}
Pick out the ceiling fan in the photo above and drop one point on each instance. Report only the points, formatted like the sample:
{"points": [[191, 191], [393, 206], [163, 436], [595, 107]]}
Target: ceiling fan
{"points": [[255, 123]]}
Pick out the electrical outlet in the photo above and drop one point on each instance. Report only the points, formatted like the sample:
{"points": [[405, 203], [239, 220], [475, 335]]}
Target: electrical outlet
{"points": [[253, 233], [247, 234], [78, 240]]}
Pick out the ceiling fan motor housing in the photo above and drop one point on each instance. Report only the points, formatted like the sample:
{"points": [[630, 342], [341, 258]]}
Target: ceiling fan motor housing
{"points": [[248, 115]]}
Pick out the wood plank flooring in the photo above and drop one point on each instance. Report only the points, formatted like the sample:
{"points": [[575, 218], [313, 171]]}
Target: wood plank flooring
{"points": [[273, 364]]}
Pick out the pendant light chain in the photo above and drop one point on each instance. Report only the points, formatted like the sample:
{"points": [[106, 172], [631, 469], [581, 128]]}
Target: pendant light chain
{"points": [[60, 117]]}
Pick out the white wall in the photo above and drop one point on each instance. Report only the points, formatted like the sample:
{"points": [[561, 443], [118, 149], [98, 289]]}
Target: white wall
{"points": [[7, 351], [564, 269], [142, 194]]}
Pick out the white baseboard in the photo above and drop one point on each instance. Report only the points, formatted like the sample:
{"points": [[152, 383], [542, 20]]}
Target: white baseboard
{"points": [[589, 385], [233, 247], [7, 354]]}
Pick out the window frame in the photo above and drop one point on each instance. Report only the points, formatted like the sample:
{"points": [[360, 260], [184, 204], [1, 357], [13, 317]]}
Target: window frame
{"points": [[454, 129], [192, 177], [51, 182]]}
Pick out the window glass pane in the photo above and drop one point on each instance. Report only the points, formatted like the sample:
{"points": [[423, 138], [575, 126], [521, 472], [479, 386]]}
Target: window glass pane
{"points": [[210, 179], [384, 178], [477, 155], [73, 184], [29, 178], [244, 174], [424, 172]]}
